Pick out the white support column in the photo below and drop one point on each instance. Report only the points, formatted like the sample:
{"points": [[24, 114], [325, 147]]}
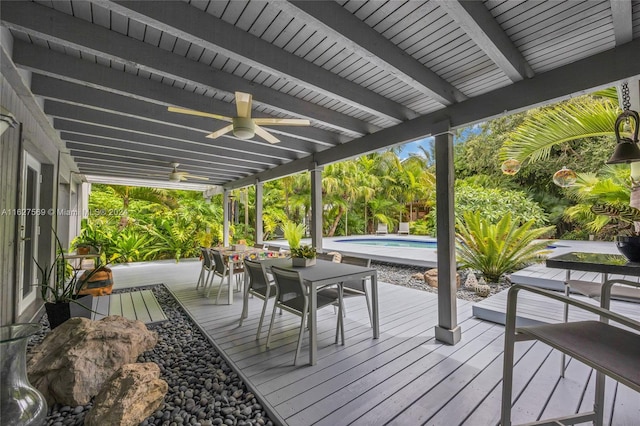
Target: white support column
{"points": [[316, 207], [259, 225], [447, 330], [225, 218]]}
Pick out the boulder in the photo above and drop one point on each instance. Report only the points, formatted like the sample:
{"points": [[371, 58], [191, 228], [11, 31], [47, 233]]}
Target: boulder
{"points": [[431, 278], [483, 290], [418, 276], [74, 360], [131, 395], [471, 282], [337, 256]]}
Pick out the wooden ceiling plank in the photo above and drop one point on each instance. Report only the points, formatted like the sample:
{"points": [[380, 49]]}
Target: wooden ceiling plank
{"points": [[189, 24], [344, 28], [480, 25], [77, 33]]}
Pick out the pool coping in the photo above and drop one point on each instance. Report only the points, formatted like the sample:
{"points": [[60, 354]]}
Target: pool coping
{"points": [[426, 257]]}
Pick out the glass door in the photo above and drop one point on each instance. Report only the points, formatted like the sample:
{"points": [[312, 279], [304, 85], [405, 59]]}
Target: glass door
{"points": [[28, 231]]}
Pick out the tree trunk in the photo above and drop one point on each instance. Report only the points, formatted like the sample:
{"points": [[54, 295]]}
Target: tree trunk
{"points": [[334, 225]]}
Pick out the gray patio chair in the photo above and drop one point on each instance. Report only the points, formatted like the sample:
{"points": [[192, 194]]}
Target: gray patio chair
{"points": [[271, 247], [403, 228], [221, 270], [207, 268], [594, 290], [258, 245], [326, 256], [611, 350], [353, 288], [291, 296], [259, 286]]}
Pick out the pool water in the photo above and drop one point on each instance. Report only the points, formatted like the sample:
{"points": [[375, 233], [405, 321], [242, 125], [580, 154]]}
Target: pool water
{"points": [[390, 242]]}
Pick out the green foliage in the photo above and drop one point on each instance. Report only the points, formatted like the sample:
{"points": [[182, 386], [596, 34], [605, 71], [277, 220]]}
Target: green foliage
{"points": [[129, 245], [498, 248], [493, 204], [305, 252], [625, 215], [293, 233]]}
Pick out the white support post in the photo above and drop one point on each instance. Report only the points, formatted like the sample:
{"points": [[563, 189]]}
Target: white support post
{"points": [[447, 330], [225, 218], [316, 207], [259, 224]]}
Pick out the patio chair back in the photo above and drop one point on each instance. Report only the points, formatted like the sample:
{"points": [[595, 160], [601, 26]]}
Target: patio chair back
{"points": [[382, 229], [271, 247], [220, 267], [207, 262], [357, 285], [291, 295], [326, 256], [258, 281], [403, 228]]}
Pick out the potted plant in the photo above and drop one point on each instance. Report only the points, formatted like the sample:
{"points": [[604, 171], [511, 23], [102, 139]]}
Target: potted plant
{"points": [[89, 241], [303, 256], [59, 285], [628, 238], [300, 255]]}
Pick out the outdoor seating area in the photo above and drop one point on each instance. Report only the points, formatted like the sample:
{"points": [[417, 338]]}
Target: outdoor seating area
{"points": [[369, 380]]}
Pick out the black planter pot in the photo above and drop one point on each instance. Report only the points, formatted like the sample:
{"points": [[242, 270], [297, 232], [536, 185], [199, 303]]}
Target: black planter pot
{"points": [[629, 247], [57, 313]]}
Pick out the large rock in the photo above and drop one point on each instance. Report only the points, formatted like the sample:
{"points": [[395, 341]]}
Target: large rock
{"points": [[131, 395], [75, 359], [431, 278]]}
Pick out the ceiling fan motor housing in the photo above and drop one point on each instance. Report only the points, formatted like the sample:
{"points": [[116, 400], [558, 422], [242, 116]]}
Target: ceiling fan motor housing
{"points": [[243, 127]]}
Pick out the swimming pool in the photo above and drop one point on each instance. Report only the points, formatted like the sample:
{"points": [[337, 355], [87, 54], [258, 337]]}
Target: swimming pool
{"points": [[390, 242]]}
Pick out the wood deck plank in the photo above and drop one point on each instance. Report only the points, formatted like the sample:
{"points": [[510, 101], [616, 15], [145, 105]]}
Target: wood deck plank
{"points": [[126, 304], [100, 307], [153, 307], [140, 307], [115, 305]]}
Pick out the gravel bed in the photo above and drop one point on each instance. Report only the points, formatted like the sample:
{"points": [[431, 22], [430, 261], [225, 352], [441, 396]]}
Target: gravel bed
{"points": [[203, 390], [404, 275]]}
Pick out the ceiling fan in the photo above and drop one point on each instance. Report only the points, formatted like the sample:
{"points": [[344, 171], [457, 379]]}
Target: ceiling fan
{"points": [[243, 126], [177, 176]]}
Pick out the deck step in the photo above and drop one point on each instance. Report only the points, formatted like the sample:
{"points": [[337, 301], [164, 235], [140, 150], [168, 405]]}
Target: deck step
{"points": [[135, 305]]}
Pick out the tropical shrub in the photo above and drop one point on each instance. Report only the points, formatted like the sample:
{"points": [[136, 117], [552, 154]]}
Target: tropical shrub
{"points": [[293, 234], [498, 248], [493, 204]]}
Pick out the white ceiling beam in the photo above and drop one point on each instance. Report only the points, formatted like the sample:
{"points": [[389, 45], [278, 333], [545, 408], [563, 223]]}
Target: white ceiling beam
{"points": [[49, 64], [474, 18], [345, 29], [74, 33], [576, 78], [202, 29], [622, 15]]}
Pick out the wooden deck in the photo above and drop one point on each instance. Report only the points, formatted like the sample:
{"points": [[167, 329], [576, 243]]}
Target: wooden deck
{"points": [[136, 305], [405, 377]]}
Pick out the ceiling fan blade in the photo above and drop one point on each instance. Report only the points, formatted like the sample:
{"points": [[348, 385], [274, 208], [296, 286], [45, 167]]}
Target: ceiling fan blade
{"points": [[265, 135], [199, 113], [281, 121], [221, 132], [243, 104], [196, 177]]}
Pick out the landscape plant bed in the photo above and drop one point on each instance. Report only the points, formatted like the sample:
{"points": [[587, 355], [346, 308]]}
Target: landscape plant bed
{"points": [[203, 389]]}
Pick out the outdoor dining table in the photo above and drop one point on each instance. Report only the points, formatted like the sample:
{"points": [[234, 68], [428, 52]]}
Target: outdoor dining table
{"points": [[325, 273], [236, 257]]}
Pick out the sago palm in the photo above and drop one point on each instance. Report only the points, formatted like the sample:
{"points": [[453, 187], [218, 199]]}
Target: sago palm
{"points": [[496, 249]]}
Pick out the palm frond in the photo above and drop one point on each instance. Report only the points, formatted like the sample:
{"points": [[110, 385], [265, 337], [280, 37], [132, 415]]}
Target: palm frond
{"points": [[566, 122]]}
